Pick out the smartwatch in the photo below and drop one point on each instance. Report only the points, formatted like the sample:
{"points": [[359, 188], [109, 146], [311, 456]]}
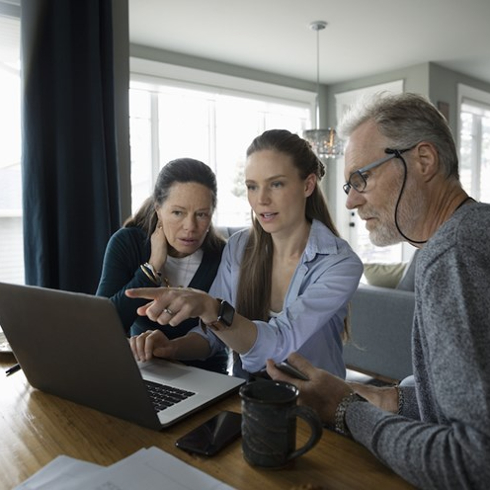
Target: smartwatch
{"points": [[226, 313]]}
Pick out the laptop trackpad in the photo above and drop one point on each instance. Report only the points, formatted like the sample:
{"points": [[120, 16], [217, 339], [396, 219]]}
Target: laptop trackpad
{"points": [[163, 370]]}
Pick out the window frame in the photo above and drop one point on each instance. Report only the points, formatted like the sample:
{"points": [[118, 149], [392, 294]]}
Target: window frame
{"points": [[477, 98], [11, 212]]}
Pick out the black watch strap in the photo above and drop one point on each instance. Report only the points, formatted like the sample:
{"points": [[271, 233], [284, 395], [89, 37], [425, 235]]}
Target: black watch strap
{"points": [[226, 314]]}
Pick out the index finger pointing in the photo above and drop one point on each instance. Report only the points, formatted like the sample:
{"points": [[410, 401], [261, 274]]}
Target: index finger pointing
{"points": [[146, 293]]}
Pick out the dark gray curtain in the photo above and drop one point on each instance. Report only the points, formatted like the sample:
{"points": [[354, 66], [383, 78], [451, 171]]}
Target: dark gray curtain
{"points": [[69, 161]]}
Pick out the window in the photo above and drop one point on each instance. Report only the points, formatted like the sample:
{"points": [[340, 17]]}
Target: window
{"points": [[171, 120], [11, 241], [474, 143]]}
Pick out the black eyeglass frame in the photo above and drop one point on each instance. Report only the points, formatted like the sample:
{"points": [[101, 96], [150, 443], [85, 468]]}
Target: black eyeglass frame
{"points": [[391, 154]]}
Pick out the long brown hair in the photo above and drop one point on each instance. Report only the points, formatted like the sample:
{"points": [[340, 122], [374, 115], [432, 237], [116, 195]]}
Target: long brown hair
{"points": [[181, 170], [254, 286]]}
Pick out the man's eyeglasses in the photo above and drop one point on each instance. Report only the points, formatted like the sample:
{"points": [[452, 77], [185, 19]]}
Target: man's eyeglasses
{"points": [[358, 181]]}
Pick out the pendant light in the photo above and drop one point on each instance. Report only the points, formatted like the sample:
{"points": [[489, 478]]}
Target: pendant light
{"points": [[325, 142]]}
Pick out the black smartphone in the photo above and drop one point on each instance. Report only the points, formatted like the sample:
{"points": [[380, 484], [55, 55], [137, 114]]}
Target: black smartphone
{"points": [[287, 368], [213, 435]]}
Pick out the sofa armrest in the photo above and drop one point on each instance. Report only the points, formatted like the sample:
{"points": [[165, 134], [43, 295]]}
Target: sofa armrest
{"points": [[381, 332]]}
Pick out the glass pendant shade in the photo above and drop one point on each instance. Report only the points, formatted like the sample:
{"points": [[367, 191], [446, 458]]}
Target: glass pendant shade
{"points": [[325, 142]]}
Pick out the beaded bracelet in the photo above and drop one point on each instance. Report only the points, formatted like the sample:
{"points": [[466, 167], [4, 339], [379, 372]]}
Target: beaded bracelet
{"points": [[149, 272], [152, 270], [340, 425], [157, 275]]}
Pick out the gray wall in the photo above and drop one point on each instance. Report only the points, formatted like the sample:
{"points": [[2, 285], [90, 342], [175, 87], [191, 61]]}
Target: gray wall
{"points": [[444, 88], [416, 79], [213, 66], [429, 79]]}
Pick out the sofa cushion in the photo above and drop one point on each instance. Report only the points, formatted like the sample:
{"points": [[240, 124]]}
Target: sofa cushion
{"points": [[407, 282], [381, 330], [384, 275]]}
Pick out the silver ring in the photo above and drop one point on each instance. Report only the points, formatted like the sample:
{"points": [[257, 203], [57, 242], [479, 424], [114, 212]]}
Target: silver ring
{"points": [[168, 311]]}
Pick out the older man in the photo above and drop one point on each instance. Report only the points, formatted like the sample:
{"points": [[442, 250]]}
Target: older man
{"points": [[402, 177]]}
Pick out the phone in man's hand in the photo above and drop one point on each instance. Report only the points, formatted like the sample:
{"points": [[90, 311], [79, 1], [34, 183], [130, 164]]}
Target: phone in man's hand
{"points": [[289, 369], [213, 435]]}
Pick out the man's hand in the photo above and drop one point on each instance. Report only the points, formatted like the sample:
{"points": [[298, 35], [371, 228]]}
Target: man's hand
{"points": [[385, 397], [323, 392]]}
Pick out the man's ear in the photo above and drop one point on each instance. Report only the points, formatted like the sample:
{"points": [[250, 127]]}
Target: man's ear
{"points": [[310, 183], [427, 160]]}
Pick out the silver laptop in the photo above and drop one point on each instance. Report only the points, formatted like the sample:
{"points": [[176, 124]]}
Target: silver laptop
{"points": [[73, 345]]}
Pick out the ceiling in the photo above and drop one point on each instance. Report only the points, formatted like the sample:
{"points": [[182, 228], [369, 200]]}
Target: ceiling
{"points": [[362, 37]]}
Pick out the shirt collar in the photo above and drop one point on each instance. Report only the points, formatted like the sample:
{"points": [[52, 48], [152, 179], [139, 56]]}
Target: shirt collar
{"points": [[321, 241]]}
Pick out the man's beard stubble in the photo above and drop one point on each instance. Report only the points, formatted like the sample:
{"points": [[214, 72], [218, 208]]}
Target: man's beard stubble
{"points": [[410, 212]]}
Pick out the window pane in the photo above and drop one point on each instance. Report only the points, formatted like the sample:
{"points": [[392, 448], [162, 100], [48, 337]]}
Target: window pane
{"points": [[238, 121], [474, 152], [11, 234], [485, 161], [141, 148], [183, 126], [296, 119], [466, 151]]}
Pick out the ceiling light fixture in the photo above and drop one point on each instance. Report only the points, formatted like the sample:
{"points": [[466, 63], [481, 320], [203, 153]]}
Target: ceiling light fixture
{"points": [[325, 142]]}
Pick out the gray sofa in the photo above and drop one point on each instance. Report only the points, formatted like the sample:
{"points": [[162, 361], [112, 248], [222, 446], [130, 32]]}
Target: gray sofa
{"points": [[381, 329]]}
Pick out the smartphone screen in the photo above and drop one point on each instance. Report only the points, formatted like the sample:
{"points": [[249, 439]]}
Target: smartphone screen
{"points": [[213, 435]]}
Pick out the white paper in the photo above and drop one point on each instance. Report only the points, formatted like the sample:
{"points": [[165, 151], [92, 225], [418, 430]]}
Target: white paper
{"points": [[59, 473], [147, 469]]}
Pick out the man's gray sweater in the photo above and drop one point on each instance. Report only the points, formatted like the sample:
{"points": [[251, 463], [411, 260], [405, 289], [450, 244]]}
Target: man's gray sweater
{"points": [[442, 438]]}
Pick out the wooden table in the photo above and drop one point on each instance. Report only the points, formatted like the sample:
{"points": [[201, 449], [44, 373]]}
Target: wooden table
{"points": [[36, 427]]}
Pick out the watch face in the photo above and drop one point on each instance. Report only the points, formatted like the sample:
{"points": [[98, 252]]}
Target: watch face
{"points": [[226, 313]]}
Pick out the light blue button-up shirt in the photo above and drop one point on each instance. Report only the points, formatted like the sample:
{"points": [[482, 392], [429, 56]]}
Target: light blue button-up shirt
{"points": [[312, 319]]}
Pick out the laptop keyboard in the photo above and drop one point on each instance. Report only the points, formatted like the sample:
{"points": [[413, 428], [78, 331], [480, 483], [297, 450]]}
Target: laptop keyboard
{"points": [[164, 396]]}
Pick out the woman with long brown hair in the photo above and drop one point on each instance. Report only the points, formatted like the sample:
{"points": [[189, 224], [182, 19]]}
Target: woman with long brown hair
{"points": [[289, 278]]}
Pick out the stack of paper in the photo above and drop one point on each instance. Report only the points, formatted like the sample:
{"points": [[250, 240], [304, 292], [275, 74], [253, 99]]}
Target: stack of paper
{"points": [[147, 469]]}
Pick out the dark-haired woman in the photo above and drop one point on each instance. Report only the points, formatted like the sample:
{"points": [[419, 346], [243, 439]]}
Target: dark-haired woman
{"points": [[170, 241], [289, 278]]}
